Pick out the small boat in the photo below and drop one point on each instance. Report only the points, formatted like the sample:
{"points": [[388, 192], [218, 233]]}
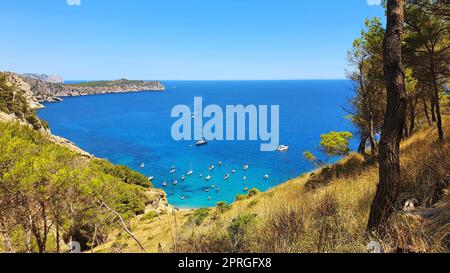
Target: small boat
{"points": [[175, 182], [209, 198], [211, 167], [244, 178], [201, 142], [218, 189], [266, 177], [208, 177], [246, 166], [151, 178], [182, 197], [183, 178], [164, 184], [173, 171], [190, 172], [207, 189], [283, 148], [142, 165], [233, 171], [220, 164], [173, 167], [246, 189], [201, 175], [213, 186], [227, 176]]}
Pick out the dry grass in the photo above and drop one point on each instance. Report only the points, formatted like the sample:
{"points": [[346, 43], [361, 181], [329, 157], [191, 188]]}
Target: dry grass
{"points": [[325, 211]]}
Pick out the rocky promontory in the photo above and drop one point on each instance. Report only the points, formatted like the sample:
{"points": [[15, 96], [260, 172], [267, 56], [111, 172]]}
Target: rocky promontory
{"points": [[45, 91]]}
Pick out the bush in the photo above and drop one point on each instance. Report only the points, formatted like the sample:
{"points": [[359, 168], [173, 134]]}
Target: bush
{"points": [[124, 173], [223, 207], [149, 216], [336, 143], [198, 217], [253, 192], [237, 231], [241, 197]]}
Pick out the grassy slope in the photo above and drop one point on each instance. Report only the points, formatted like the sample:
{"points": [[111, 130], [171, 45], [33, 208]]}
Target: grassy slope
{"points": [[331, 218]]}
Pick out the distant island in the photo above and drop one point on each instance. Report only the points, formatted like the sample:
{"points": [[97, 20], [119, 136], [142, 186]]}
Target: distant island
{"points": [[45, 89]]}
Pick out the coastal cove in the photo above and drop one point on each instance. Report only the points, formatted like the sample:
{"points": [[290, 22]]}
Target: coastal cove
{"points": [[135, 128]]}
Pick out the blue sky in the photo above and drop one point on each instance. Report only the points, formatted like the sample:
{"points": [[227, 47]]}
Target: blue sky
{"points": [[181, 39]]}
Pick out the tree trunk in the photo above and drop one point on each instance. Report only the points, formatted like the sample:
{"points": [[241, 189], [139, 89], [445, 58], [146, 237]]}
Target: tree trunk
{"points": [[394, 122], [436, 99], [412, 114], [362, 143], [433, 109], [425, 109]]}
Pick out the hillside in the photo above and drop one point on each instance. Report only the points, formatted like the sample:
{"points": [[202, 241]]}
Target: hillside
{"points": [[324, 211], [45, 91], [51, 192]]}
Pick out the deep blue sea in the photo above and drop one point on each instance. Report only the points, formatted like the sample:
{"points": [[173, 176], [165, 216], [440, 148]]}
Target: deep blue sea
{"points": [[135, 128]]}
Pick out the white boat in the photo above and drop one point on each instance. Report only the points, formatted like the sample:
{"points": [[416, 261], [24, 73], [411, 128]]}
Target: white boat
{"points": [[172, 171], [165, 184], [183, 177], [175, 182], [213, 186], [220, 164], [190, 172], [246, 166], [211, 167], [218, 189], [245, 189], [142, 165], [207, 189], [283, 148], [151, 178], [182, 197], [244, 178], [266, 177], [227, 176], [201, 175], [233, 171], [201, 142], [208, 178]]}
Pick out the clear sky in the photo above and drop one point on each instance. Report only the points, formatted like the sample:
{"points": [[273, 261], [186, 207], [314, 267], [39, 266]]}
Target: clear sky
{"points": [[181, 39]]}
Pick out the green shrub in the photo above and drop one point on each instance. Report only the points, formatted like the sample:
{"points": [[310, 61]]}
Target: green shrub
{"points": [[149, 216], [198, 216], [252, 203], [237, 231], [223, 207], [253, 192], [241, 197]]}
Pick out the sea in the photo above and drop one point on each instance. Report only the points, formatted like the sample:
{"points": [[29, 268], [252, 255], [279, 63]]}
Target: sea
{"points": [[134, 129]]}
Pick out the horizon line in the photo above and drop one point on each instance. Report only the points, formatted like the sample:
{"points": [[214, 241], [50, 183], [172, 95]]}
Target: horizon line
{"points": [[312, 79]]}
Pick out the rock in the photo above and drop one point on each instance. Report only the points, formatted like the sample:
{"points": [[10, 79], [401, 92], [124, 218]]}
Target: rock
{"points": [[157, 202], [45, 78], [45, 91]]}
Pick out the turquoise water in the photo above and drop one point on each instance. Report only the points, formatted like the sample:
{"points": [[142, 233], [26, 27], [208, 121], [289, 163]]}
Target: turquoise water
{"points": [[133, 128]]}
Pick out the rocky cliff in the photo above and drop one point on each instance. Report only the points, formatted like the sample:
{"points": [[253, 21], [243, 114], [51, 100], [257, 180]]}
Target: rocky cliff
{"points": [[45, 78], [51, 92]]}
